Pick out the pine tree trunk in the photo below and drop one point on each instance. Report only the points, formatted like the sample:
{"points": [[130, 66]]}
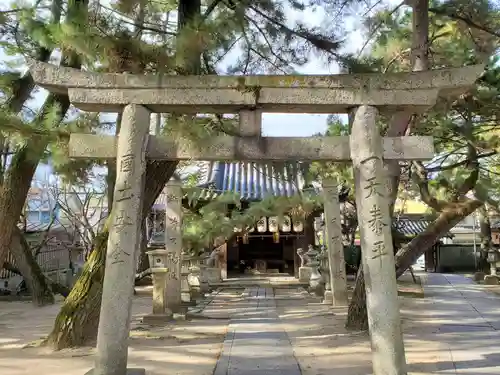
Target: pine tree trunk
{"points": [[407, 255], [446, 220], [77, 322], [357, 317], [14, 191], [143, 257], [12, 197], [36, 282]]}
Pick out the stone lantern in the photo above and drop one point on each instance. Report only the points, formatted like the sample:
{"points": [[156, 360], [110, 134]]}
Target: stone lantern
{"points": [[157, 260], [315, 279], [159, 271]]}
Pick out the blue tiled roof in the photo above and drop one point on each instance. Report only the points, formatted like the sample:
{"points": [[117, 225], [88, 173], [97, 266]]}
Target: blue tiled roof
{"points": [[253, 181], [411, 227]]}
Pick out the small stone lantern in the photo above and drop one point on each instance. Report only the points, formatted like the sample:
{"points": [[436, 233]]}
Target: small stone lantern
{"points": [[158, 266], [157, 259]]}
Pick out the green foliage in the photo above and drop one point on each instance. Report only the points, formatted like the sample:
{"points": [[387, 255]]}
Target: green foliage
{"points": [[341, 172], [221, 215]]}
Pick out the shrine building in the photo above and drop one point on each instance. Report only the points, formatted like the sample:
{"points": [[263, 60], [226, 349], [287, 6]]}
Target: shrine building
{"points": [[272, 243]]}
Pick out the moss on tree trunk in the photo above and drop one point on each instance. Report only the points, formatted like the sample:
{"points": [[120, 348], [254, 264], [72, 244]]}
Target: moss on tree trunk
{"points": [[77, 322], [357, 317]]}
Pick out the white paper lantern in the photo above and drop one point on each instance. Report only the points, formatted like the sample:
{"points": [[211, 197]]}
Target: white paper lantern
{"points": [[286, 224], [298, 226], [262, 224], [237, 230], [273, 224], [251, 229]]}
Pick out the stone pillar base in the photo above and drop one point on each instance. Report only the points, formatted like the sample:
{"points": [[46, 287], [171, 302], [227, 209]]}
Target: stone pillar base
{"points": [[317, 288], [491, 280], [479, 276], [204, 288], [213, 275], [188, 303], [129, 371], [157, 319], [196, 293], [305, 274], [328, 298]]}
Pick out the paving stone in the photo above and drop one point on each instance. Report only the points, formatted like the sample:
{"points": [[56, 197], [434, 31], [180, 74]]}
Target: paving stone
{"points": [[467, 320], [254, 343]]}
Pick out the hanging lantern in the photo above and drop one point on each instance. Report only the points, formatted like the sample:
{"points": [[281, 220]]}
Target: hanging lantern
{"points": [[251, 229], [276, 237], [298, 226], [262, 225], [273, 224], [237, 230], [245, 239], [286, 224]]}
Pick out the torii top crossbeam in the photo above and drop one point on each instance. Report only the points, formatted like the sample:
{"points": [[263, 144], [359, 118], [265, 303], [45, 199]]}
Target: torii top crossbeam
{"points": [[250, 96], [108, 92]]}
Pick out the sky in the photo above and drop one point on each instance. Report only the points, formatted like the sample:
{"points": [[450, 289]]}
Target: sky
{"points": [[278, 124]]}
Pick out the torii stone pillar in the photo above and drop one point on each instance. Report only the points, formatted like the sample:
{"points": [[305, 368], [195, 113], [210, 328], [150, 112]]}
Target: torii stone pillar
{"points": [[336, 262], [123, 244], [173, 245], [388, 353]]}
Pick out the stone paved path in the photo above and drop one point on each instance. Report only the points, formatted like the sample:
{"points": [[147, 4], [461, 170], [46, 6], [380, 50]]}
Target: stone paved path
{"points": [[255, 344], [466, 322]]}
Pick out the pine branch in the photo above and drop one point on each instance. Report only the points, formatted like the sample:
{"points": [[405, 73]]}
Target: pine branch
{"points": [[422, 181], [377, 28], [460, 163], [317, 40], [448, 12]]}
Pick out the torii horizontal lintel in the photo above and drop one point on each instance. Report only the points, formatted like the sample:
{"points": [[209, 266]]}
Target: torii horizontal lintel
{"points": [[271, 99], [227, 148]]}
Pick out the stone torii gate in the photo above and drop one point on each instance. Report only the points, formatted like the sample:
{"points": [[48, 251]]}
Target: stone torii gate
{"points": [[364, 94]]}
